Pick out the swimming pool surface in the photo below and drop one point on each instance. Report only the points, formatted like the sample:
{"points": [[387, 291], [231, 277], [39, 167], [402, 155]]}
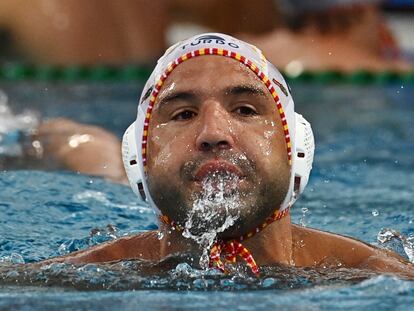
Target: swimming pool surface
{"points": [[361, 185]]}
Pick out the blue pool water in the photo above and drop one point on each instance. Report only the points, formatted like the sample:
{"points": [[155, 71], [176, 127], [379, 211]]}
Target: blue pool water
{"points": [[361, 185]]}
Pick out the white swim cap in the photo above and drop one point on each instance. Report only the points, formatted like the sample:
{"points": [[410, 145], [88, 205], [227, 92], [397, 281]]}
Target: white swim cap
{"points": [[298, 133]]}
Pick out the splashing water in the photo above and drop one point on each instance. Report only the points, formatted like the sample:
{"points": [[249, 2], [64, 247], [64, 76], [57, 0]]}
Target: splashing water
{"points": [[388, 235], [213, 211], [12, 126], [13, 258], [303, 218], [174, 273]]}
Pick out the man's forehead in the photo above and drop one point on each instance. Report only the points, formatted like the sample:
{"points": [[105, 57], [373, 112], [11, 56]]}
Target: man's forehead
{"points": [[208, 71]]}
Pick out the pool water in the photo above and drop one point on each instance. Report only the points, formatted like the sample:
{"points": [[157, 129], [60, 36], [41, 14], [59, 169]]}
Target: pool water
{"points": [[361, 185]]}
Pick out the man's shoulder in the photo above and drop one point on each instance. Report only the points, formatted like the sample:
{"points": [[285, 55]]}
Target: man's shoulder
{"points": [[320, 248], [317, 247], [145, 246], [141, 245]]}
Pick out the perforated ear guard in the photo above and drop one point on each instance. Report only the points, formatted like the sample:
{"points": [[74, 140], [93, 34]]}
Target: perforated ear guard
{"points": [[301, 164], [131, 162], [303, 154]]}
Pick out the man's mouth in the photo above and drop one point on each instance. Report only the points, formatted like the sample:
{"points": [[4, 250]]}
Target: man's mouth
{"points": [[218, 168]]}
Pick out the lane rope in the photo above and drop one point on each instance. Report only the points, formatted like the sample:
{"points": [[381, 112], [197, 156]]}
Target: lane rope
{"points": [[139, 73]]}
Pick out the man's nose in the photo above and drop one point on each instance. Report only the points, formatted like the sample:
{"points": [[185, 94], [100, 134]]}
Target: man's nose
{"points": [[215, 128]]}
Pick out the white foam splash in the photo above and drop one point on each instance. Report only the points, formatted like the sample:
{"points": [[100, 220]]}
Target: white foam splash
{"points": [[11, 125], [386, 235], [13, 258], [217, 208]]}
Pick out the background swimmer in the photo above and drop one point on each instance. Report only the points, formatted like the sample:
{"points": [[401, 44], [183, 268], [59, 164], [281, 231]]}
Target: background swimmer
{"points": [[212, 114]]}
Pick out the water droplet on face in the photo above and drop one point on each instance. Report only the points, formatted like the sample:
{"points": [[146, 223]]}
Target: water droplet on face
{"points": [[268, 134], [160, 235], [171, 87], [161, 125], [242, 156]]}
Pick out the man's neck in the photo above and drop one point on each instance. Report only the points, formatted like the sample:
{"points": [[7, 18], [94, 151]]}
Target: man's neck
{"points": [[273, 244], [269, 246]]}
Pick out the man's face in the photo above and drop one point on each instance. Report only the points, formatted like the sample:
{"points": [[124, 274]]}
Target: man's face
{"points": [[216, 126]]}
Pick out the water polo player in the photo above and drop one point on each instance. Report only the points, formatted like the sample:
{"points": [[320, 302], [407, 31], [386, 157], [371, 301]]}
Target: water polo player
{"points": [[219, 152]]}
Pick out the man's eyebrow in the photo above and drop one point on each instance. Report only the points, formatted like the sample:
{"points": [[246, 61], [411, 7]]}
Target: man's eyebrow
{"points": [[244, 89], [189, 95], [172, 96]]}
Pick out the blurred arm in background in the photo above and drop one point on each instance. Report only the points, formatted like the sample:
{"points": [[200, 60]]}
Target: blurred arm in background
{"points": [[79, 147]]}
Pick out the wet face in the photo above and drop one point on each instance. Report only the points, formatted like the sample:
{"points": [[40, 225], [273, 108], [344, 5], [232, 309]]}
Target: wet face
{"points": [[215, 132]]}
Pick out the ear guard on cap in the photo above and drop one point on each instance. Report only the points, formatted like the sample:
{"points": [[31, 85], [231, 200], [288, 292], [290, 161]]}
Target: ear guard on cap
{"points": [[131, 162], [303, 154]]}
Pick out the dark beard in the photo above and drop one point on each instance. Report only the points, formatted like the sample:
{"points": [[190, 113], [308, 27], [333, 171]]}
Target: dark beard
{"points": [[202, 213]]}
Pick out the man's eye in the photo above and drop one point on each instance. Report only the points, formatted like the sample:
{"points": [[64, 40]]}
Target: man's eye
{"points": [[246, 111], [184, 115]]}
